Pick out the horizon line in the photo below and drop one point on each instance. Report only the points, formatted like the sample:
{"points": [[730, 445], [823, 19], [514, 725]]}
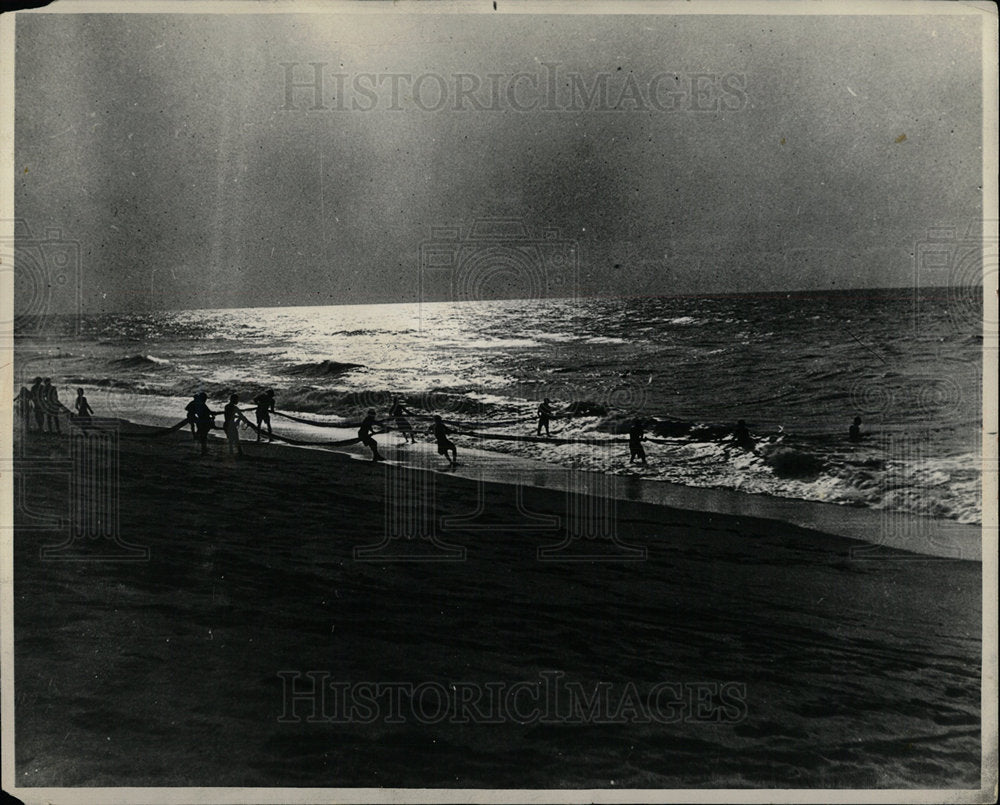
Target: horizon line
{"points": [[799, 292]]}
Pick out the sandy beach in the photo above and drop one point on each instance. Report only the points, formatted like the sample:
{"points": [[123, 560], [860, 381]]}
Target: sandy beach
{"points": [[780, 658]]}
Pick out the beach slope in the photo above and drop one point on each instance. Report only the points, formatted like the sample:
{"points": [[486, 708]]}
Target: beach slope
{"points": [[685, 649]]}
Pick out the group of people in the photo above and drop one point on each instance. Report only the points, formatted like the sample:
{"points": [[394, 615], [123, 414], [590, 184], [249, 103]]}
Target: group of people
{"points": [[636, 432], [202, 419], [741, 437], [40, 404], [398, 414], [447, 449]]}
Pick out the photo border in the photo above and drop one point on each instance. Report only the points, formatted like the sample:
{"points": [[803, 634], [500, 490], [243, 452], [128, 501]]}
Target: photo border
{"points": [[307, 795]]}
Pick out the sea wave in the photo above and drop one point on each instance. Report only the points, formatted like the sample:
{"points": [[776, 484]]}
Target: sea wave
{"points": [[140, 362], [370, 332], [691, 367], [314, 400], [324, 368]]}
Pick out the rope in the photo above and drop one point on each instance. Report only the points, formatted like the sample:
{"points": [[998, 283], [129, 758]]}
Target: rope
{"points": [[462, 428], [507, 437], [164, 431], [469, 426], [86, 423], [502, 423], [351, 425], [300, 442], [315, 422]]}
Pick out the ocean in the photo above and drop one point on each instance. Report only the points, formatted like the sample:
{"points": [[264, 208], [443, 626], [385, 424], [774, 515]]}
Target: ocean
{"points": [[797, 367]]}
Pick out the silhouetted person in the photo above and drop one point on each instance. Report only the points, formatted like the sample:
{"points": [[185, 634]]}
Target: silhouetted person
{"points": [[444, 444], [231, 425], [50, 401], [38, 404], [399, 413], [82, 407], [204, 419], [365, 434], [636, 434], [265, 407], [742, 437], [855, 432], [23, 407], [192, 418], [544, 415]]}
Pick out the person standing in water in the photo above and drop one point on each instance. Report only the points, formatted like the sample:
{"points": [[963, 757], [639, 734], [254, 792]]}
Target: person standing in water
{"points": [[854, 434], [444, 444], [365, 434], [83, 409], [265, 407], [50, 400], [636, 435], [742, 437], [399, 413], [544, 415], [231, 425]]}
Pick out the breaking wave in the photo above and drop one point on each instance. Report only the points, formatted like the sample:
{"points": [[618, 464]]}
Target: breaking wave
{"points": [[140, 362]]}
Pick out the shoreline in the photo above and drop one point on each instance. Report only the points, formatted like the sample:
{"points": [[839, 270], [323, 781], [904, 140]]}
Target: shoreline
{"points": [[166, 670], [877, 529]]}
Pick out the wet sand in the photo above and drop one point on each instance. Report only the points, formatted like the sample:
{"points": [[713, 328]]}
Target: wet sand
{"points": [[785, 658]]}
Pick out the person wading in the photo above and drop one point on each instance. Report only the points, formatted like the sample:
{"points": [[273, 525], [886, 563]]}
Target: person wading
{"points": [[365, 434], [444, 444]]}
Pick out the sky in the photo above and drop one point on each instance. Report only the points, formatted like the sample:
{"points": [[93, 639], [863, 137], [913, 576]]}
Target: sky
{"points": [[730, 154]]}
